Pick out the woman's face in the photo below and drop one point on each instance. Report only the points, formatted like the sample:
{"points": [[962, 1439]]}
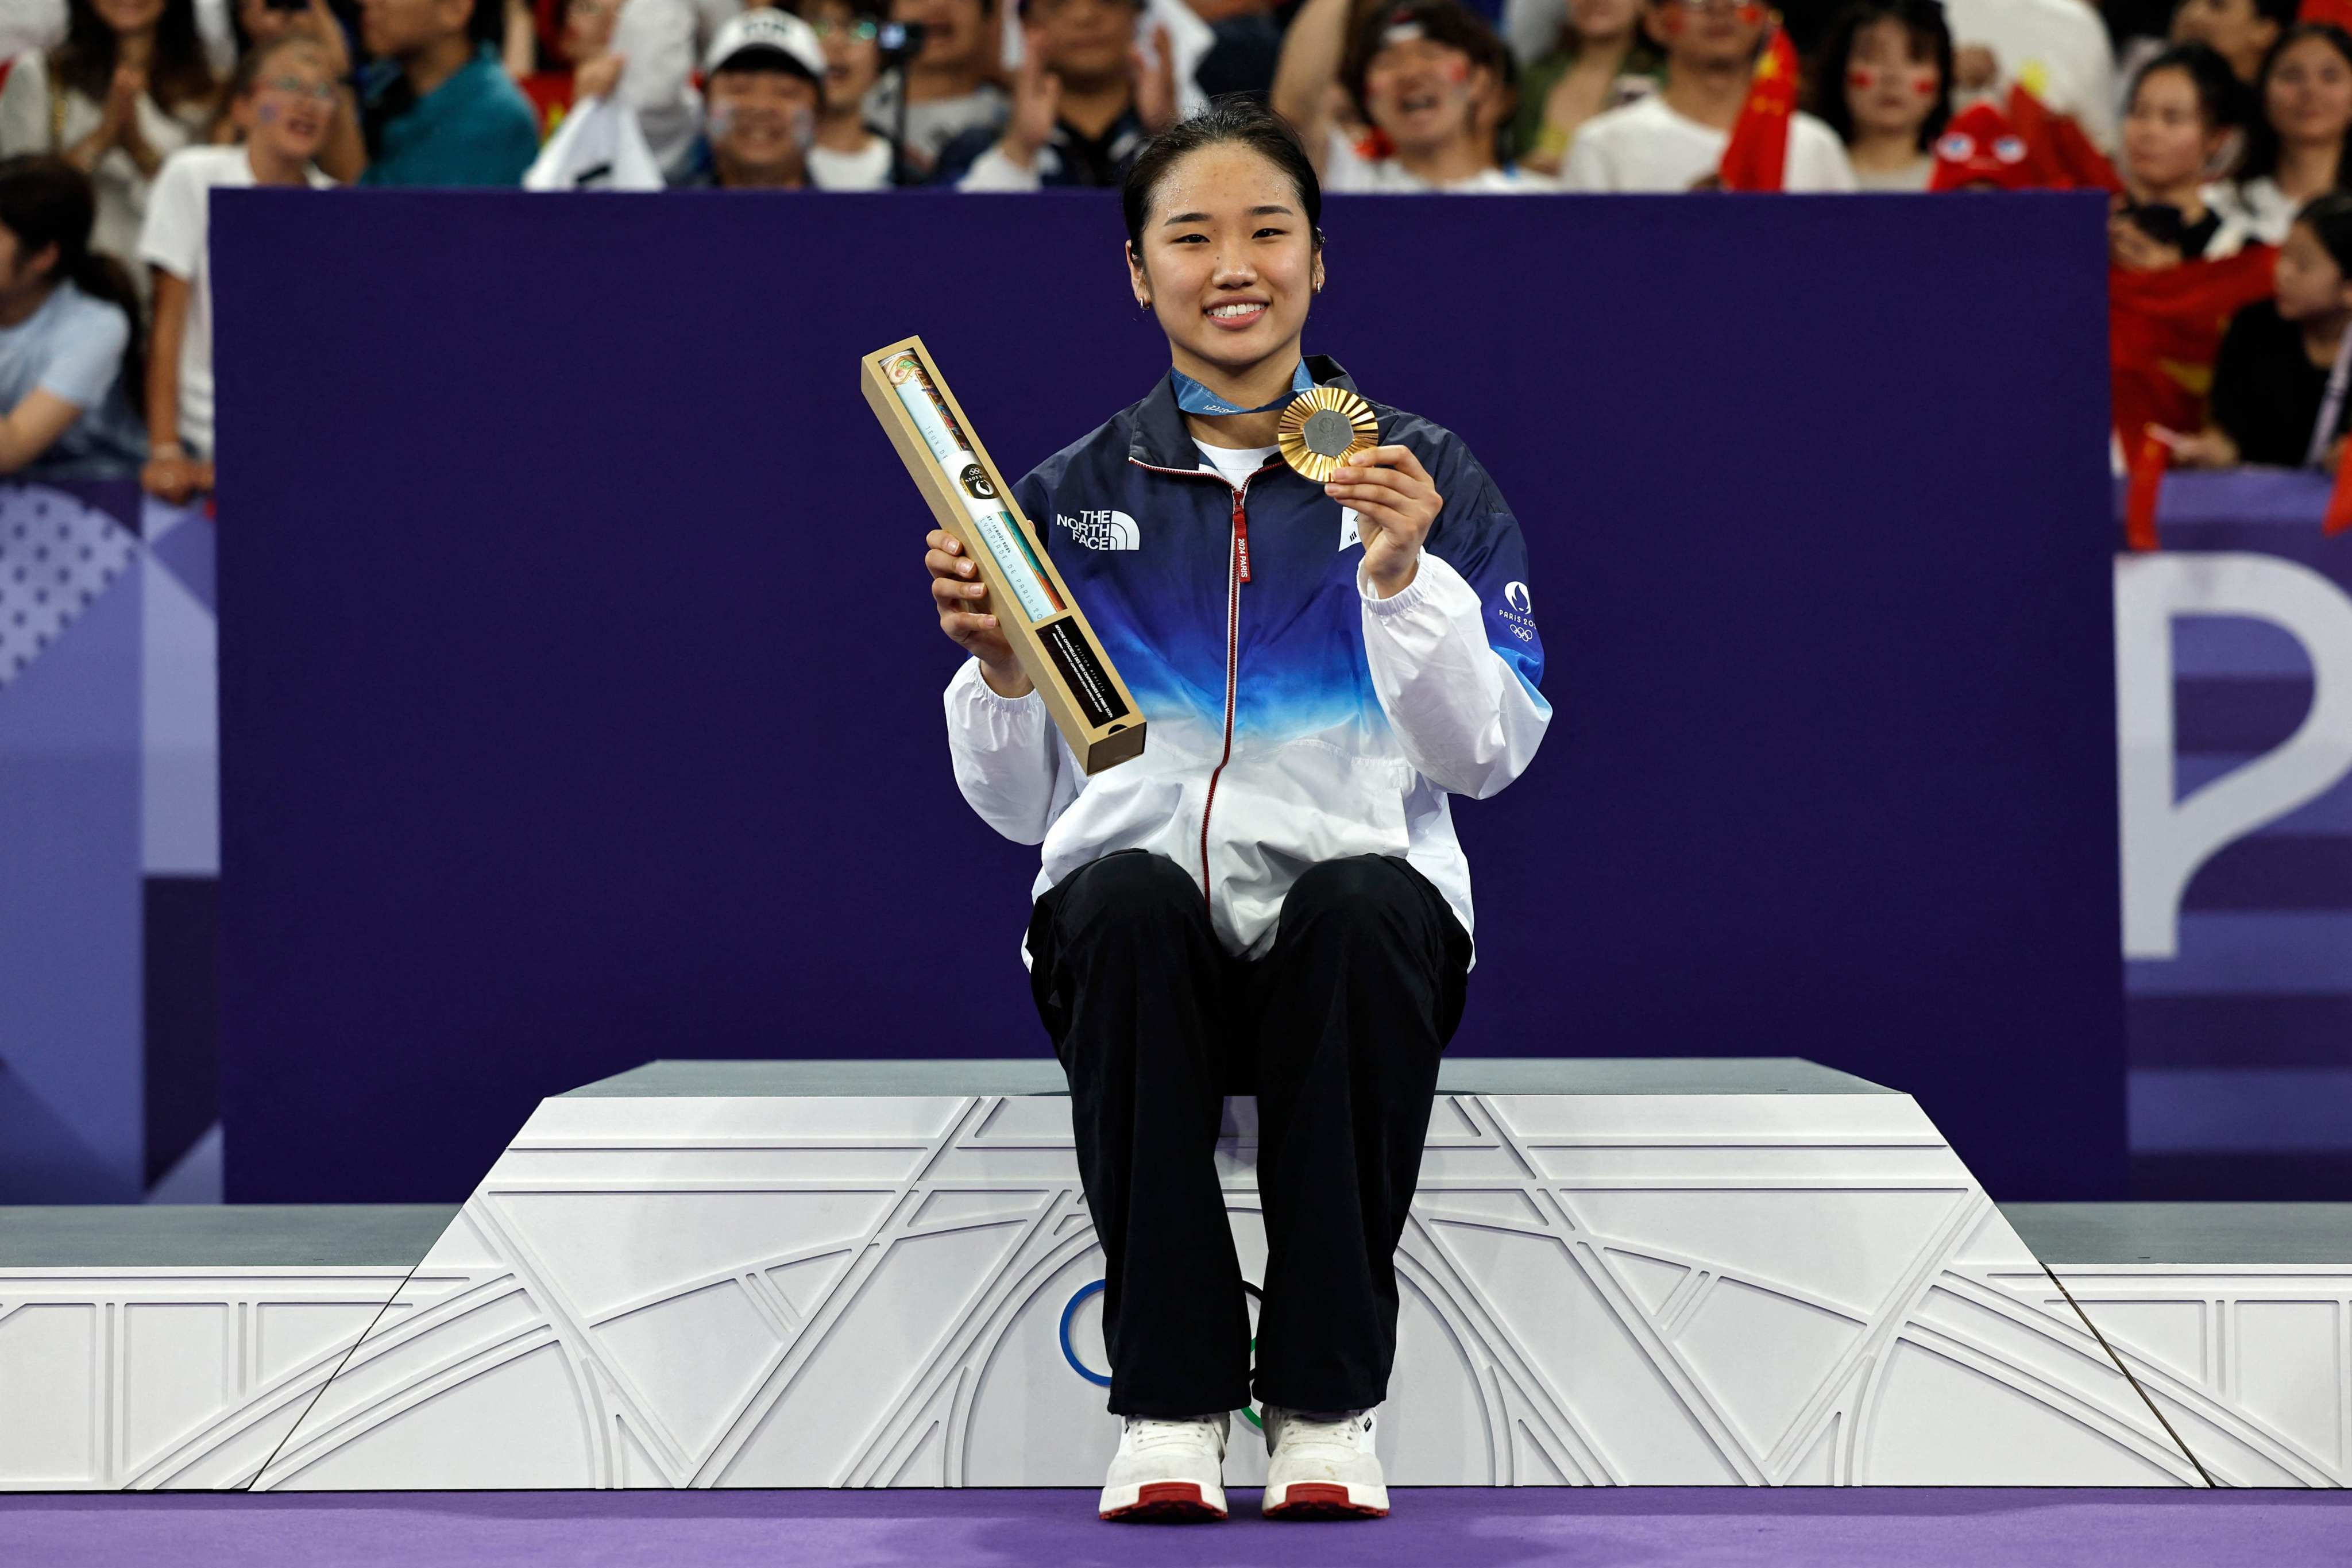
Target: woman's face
{"points": [[2166, 143], [1891, 78], [1597, 19], [1227, 260], [1422, 93], [129, 16], [853, 55], [2309, 97], [588, 28], [291, 105], [2309, 283]]}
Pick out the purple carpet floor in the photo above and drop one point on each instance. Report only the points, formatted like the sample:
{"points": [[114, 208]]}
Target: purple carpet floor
{"points": [[1685, 1528]]}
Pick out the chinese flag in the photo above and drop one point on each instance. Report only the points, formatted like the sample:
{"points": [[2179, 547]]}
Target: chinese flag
{"points": [[2164, 330], [1757, 157], [2339, 501], [2063, 158]]}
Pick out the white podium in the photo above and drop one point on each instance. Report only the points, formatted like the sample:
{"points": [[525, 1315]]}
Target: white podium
{"points": [[843, 1274], [838, 1274]]}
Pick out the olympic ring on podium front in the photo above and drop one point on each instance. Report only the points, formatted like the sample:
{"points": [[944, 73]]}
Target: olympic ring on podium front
{"points": [[1102, 1380], [1069, 1351]]}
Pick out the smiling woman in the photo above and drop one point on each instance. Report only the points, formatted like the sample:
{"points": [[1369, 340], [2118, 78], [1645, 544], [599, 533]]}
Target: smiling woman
{"points": [[1271, 898]]}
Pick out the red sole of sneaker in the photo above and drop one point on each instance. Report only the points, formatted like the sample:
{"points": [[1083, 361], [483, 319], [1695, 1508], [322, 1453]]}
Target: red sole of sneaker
{"points": [[1166, 1502], [1314, 1500]]}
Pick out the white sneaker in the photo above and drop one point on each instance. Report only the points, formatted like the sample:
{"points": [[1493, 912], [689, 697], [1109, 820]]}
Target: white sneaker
{"points": [[1322, 1470], [1168, 1469]]}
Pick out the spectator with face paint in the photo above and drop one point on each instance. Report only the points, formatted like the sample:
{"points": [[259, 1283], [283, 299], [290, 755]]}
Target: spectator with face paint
{"points": [[2242, 32], [437, 106], [763, 92], [1085, 99], [1429, 78], [949, 85], [2271, 382], [69, 340], [1883, 81], [130, 87], [2298, 140], [1603, 61], [850, 154], [2183, 106], [283, 102], [342, 154], [1674, 140]]}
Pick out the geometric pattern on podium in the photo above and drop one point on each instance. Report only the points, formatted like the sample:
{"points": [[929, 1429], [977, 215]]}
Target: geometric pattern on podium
{"points": [[176, 1346], [2236, 1319], [882, 1274]]}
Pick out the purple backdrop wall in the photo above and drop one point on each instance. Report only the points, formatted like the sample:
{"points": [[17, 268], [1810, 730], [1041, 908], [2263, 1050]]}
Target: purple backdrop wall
{"points": [[580, 694]]}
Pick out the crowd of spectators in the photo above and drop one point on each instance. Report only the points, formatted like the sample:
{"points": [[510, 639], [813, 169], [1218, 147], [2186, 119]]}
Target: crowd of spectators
{"points": [[2219, 126]]}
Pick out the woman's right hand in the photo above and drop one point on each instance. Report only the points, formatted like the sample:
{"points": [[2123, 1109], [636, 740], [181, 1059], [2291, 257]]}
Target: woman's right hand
{"points": [[962, 600]]}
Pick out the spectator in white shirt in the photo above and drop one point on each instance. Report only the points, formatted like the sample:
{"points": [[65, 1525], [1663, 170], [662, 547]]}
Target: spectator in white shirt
{"points": [[2297, 140], [2242, 32], [849, 154], [344, 152], [283, 102], [1673, 139], [130, 87], [949, 85], [1883, 81], [2056, 49], [1433, 81]]}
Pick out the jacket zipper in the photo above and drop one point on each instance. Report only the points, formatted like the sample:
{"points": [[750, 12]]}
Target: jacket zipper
{"points": [[1237, 571]]}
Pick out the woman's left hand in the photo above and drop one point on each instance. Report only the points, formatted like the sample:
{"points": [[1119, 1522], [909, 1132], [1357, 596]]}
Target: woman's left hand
{"points": [[1395, 501]]}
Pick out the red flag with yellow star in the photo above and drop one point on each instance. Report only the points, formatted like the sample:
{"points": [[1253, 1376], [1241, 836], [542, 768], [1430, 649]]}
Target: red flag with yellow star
{"points": [[1756, 158]]}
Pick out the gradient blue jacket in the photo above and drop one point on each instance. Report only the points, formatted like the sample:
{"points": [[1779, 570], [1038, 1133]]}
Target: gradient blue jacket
{"points": [[1294, 716]]}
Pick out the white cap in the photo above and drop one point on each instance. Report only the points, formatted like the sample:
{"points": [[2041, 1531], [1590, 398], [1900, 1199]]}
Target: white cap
{"points": [[779, 32]]}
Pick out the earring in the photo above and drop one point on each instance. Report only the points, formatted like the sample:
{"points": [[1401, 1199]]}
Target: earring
{"points": [[1144, 306]]}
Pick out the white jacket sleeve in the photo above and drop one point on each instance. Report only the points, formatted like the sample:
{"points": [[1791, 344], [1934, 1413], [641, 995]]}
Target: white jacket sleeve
{"points": [[1465, 718], [1008, 758]]}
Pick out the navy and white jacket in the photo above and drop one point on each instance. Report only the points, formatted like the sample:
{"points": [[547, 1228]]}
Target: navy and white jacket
{"points": [[1295, 717]]}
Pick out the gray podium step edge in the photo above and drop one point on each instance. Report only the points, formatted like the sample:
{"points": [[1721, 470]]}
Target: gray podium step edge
{"points": [[244, 1236], [668, 1079]]}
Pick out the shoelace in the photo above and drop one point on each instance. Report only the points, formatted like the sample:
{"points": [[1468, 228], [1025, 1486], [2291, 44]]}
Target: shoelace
{"points": [[1144, 1432], [1345, 1436]]}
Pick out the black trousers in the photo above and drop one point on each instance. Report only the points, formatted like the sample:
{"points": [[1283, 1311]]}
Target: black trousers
{"points": [[1337, 1029]]}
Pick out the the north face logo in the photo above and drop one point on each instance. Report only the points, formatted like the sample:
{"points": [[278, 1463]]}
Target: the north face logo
{"points": [[1101, 530]]}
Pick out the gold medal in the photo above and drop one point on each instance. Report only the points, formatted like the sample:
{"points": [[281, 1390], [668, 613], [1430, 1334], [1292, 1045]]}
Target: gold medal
{"points": [[1325, 428]]}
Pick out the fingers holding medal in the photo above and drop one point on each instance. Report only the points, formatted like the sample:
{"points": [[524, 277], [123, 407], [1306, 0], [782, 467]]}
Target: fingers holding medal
{"points": [[1395, 502], [1330, 436]]}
